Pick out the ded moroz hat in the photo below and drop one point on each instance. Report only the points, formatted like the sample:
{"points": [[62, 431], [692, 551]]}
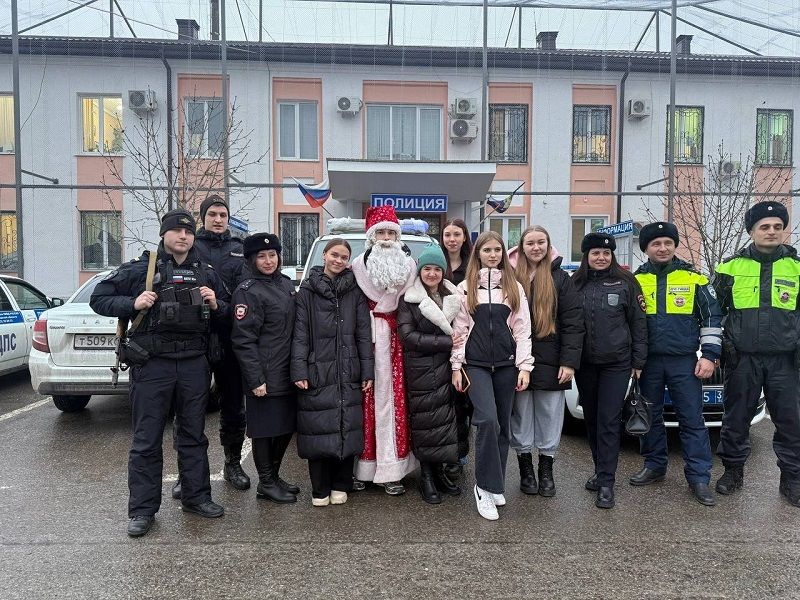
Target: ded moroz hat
{"points": [[381, 217]]}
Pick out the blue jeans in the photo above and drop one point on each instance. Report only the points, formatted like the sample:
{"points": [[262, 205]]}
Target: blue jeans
{"points": [[686, 392]]}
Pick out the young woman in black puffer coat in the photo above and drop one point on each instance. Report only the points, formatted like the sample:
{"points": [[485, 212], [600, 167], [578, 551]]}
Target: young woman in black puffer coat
{"points": [[332, 363], [424, 323]]}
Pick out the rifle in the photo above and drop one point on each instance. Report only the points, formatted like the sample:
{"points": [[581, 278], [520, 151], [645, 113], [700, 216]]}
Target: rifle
{"points": [[122, 324]]}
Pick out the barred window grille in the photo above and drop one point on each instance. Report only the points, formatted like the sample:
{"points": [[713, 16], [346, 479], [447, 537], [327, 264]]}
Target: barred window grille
{"points": [[774, 137], [591, 134], [688, 144], [508, 133], [8, 241], [297, 232]]}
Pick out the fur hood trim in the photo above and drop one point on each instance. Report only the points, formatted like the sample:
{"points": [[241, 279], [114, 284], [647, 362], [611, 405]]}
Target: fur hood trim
{"points": [[441, 317]]}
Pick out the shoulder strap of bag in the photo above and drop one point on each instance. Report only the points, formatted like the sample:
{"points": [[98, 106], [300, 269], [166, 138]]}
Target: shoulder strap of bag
{"points": [[148, 287]]}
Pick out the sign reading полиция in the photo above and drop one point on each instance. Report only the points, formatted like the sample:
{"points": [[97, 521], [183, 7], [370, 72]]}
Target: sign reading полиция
{"points": [[435, 203]]}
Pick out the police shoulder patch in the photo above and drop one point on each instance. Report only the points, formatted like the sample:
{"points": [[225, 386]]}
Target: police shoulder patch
{"points": [[245, 285], [111, 275], [240, 311], [642, 303]]}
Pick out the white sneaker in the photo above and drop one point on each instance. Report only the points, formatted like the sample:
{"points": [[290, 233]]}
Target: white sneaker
{"points": [[338, 497], [485, 502], [321, 501], [499, 500]]}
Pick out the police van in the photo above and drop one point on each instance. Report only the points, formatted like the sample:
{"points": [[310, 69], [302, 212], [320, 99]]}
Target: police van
{"points": [[20, 305]]}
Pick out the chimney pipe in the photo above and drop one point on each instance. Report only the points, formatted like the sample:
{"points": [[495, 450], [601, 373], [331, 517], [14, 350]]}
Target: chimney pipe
{"points": [[683, 44], [188, 29], [214, 19], [546, 40]]}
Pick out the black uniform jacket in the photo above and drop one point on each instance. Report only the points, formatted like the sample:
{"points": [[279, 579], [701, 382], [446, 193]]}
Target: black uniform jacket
{"points": [[332, 350]]}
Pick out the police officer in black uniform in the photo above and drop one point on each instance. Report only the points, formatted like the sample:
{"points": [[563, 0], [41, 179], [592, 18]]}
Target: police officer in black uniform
{"points": [[166, 353], [215, 246]]}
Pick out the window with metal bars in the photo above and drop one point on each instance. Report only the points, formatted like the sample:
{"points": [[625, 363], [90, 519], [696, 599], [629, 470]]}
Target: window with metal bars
{"points": [[8, 241], [298, 232], [508, 133], [774, 137], [688, 143], [591, 134]]}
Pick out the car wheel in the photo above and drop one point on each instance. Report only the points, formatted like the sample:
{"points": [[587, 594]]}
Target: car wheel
{"points": [[71, 403]]}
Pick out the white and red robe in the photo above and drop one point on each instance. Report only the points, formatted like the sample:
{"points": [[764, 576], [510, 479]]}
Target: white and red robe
{"points": [[387, 452]]}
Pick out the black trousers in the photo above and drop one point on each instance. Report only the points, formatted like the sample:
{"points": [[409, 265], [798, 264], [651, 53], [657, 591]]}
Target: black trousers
{"points": [[228, 378], [329, 474], [154, 387], [602, 393], [778, 377]]}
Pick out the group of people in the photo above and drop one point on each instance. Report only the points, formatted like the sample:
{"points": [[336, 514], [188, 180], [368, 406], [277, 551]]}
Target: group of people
{"points": [[381, 365]]}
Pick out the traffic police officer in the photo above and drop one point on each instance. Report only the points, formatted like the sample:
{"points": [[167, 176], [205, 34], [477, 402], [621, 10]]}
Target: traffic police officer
{"points": [[215, 246], [166, 353], [758, 289], [681, 309]]}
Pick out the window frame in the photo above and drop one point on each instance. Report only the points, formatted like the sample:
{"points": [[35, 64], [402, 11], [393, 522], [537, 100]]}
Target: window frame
{"points": [[10, 96], [105, 214], [203, 152], [11, 285], [587, 228], [417, 136], [505, 107], [505, 219], [607, 108], [12, 266], [101, 125], [789, 134], [296, 104], [301, 255], [670, 147]]}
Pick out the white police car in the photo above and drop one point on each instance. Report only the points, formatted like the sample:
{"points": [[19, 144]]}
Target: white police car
{"points": [[20, 305]]}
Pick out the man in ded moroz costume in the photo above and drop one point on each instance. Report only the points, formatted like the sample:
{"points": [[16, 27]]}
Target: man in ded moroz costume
{"points": [[384, 272]]}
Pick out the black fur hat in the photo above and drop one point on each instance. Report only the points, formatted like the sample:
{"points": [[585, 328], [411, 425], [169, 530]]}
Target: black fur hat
{"points": [[598, 240]]}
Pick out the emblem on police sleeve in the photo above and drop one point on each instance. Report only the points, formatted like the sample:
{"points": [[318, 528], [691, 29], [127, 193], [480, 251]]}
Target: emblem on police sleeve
{"points": [[679, 301], [240, 311], [785, 297], [642, 302]]}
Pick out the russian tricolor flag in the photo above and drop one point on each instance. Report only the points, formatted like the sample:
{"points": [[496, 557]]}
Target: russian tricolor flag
{"points": [[317, 194]]}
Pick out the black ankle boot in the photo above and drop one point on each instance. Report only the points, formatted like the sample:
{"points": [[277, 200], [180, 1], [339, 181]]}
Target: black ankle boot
{"points": [[268, 488], [731, 480], [279, 445], [443, 482], [427, 485], [527, 478], [547, 487], [232, 471]]}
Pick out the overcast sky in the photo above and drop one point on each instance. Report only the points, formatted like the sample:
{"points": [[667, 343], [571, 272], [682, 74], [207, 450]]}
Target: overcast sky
{"points": [[324, 22]]}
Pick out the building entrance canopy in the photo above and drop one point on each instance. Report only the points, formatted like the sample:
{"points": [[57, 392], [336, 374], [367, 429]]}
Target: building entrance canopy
{"points": [[462, 182]]}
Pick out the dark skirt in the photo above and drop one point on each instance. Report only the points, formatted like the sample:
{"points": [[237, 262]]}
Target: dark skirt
{"points": [[271, 416]]}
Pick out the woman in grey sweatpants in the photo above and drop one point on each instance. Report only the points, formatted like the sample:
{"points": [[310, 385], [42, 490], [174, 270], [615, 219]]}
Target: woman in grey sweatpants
{"points": [[492, 343], [557, 331]]}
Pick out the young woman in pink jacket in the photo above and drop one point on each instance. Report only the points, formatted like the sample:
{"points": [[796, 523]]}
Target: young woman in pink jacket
{"points": [[493, 329]]}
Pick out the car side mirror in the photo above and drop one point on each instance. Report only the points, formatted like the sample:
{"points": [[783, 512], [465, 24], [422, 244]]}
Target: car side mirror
{"points": [[56, 302]]}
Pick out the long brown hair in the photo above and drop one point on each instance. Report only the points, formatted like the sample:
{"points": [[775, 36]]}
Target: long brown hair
{"points": [[466, 247], [509, 282], [541, 292]]}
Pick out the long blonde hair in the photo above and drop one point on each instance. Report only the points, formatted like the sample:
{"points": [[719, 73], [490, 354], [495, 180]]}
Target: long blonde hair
{"points": [[542, 296], [508, 283]]}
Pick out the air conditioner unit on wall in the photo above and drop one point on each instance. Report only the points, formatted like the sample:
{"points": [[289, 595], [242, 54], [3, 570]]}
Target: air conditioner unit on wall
{"points": [[729, 168], [349, 106], [142, 101], [463, 130], [465, 107], [639, 108]]}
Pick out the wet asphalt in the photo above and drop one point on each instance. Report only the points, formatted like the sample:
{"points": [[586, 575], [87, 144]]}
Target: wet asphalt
{"points": [[63, 497]]}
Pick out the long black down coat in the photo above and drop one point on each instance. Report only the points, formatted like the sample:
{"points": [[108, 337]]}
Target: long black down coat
{"points": [[332, 350], [425, 331], [563, 348]]}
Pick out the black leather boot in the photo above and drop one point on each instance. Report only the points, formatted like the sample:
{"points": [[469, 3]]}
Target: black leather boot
{"points": [[279, 445], [605, 497], [443, 482], [268, 488], [790, 489], [527, 478], [232, 472], [427, 484], [731, 480], [547, 487], [176, 489]]}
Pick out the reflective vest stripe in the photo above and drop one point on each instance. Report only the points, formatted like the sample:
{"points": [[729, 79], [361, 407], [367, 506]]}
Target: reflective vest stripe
{"points": [[746, 274], [679, 291]]}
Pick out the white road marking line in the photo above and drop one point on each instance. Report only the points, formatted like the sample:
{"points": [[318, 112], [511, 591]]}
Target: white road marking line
{"points": [[24, 409], [247, 447]]}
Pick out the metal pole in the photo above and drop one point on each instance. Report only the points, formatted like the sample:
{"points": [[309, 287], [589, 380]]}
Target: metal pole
{"points": [[17, 139], [485, 86], [658, 32], [225, 102], [716, 35], [519, 23], [111, 18], [58, 16], [214, 19], [644, 33], [391, 24], [260, 20], [791, 32], [673, 66]]}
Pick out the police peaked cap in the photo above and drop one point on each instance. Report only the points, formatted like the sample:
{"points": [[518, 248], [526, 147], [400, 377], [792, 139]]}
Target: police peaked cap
{"points": [[598, 240], [762, 210], [653, 231], [257, 242], [177, 219]]}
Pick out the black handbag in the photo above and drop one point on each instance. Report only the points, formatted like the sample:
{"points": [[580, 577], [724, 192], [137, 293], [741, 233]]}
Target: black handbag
{"points": [[637, 412]]}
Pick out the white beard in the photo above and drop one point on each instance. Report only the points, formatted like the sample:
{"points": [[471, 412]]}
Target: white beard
{"points": [[388, 266]]}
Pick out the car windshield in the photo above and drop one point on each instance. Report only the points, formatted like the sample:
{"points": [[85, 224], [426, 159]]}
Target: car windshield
{"points": [[357, 246], [84, 294]]}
